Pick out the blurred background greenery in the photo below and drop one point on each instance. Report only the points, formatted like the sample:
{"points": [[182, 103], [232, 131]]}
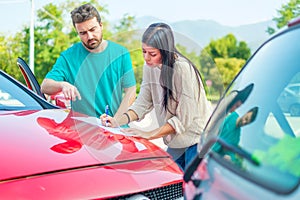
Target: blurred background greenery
{"points": [[218, 62]]}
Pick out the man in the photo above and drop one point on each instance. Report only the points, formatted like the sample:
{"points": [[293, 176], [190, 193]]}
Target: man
{"points": [[231, 130], [94, 72]]}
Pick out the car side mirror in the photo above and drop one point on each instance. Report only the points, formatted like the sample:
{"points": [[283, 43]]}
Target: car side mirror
{"points": [[59, 100]]}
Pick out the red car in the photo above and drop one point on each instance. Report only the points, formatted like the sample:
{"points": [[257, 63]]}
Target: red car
{"points": [[52, 153]]}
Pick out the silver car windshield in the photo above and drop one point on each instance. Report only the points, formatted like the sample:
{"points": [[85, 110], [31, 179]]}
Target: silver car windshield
{"points": [[260, 114]]}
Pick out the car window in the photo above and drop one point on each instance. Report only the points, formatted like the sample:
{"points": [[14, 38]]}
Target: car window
{"points": [[13, 97], [264, 122]]}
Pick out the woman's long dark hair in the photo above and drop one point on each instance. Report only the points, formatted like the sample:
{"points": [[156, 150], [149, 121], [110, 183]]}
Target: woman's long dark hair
{"points": [[160, 36]]}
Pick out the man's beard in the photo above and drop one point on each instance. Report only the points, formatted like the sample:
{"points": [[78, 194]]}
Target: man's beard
{"points": [[95, 45]]}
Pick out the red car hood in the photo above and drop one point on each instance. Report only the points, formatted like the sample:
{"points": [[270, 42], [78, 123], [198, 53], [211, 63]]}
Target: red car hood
{"points": [[50, 141]]}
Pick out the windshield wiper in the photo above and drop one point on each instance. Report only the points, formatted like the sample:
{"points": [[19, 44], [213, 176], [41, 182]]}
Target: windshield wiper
{"points": [[194, 164], [235, 149]]}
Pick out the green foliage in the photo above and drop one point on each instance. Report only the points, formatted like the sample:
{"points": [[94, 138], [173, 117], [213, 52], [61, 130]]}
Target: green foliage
{"points": [[228, 68], [126, 24], [228, 47], [11, 48], [5, 54], [54, 32], [222, 59], [51, 37], [286, 13], [137, 63]]}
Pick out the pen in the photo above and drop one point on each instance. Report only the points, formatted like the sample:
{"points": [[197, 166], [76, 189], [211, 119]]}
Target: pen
{"points": [[106, 112]]}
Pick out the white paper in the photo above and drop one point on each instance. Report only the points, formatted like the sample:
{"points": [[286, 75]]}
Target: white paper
{"points": [[96, 121]]}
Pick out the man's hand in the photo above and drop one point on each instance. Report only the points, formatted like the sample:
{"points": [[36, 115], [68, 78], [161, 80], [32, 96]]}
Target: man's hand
{"points": [[52, 87], [70, 91]]}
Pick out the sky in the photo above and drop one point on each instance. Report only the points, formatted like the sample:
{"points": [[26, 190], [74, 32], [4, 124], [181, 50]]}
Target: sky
{"points": [[16, 13]]}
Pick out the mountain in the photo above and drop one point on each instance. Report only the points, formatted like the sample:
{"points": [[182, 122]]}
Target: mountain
{"points": [[201, 32]]}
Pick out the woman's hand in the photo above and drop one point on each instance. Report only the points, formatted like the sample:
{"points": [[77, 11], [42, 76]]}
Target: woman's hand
{"points": [[137, 133], [108, 121]]}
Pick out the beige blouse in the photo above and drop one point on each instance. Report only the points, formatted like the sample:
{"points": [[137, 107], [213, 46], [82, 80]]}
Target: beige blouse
{"points": [[188, 116]]}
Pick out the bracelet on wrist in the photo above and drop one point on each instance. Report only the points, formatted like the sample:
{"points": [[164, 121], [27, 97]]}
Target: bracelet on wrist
{"points": [[128, 118]]}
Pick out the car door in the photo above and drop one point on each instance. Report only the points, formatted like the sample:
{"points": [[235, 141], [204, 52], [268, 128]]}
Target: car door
{"points": [[29, 77], [34, 85]]}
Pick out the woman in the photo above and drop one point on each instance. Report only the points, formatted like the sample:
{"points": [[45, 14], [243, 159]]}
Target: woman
{"points": [[172, 86]]}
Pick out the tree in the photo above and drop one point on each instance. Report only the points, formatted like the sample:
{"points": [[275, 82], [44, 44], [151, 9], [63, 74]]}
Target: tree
{"points": [[13, 47], [228, 47], [222, 59], [5, 55], [228, 68], [286, 13], [53, 33], [51, 37]]}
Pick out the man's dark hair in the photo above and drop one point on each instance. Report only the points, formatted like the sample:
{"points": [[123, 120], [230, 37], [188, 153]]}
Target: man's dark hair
{"points": [[254, 113], [84, 13], [241, 95]]}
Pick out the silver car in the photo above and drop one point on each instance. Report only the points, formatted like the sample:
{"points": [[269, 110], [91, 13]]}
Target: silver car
{"points": [[289, 100], [251, 144]]}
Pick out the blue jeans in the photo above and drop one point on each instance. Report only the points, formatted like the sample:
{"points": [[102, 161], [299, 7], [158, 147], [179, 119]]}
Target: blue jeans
{"points": [[183, 156]]}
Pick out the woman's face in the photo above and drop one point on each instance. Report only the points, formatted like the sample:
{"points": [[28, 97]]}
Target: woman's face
{"points": [[152, 56]]}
